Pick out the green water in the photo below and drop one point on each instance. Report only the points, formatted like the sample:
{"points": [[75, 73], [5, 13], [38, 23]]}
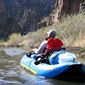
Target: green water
{"points": [[11, 73]]}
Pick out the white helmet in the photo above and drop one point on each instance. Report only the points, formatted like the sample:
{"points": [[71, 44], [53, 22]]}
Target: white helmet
{"points": [[51, 33]]}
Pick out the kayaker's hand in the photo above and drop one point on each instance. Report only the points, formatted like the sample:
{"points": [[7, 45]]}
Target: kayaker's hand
{"points": [[43, 55]]}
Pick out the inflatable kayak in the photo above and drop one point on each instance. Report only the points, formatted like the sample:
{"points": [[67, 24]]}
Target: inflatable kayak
{"points": [[62, 64]]}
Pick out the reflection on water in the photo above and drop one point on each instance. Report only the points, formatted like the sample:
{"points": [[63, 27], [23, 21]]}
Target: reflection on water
{"points": [[12, 74], [9, 70]]}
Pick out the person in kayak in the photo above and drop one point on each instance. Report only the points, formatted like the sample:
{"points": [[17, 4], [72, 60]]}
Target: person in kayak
{"points": [[50, 44]]}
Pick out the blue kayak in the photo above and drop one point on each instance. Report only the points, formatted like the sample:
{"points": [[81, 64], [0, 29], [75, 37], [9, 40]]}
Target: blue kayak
{"points": [[61, 64]]}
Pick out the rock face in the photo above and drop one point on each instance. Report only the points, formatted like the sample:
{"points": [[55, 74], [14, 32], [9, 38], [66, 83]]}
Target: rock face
{"points": [[65, 7], [22, 16]]}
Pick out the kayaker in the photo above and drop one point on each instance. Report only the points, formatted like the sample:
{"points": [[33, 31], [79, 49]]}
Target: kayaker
{"points": [[50, 44]]}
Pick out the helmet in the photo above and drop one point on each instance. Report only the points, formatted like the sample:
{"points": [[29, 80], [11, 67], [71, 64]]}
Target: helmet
{"points": [[51, 33]]}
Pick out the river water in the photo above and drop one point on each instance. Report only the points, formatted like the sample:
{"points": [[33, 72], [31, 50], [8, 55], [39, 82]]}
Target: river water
{"points": [[11, 73]]}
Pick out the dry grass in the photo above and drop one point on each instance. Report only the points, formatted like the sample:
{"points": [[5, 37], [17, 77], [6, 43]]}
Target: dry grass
{"points": [[72, 30]]}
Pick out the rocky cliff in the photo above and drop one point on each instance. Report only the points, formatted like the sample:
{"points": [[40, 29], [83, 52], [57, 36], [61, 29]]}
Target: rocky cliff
{"points": [[22, 16], [68, 7]]}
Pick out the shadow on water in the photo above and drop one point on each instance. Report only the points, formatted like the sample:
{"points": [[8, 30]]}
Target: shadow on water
{"points": [[12, 74], [31, 79], [35, 80], [9, 70], [73, 74]]}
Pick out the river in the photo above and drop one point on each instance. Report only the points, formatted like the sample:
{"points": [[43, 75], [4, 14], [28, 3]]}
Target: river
{"points": [[11, 73]]}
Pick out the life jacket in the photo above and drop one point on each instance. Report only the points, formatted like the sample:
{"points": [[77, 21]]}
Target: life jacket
{"points": [[54, 44]]}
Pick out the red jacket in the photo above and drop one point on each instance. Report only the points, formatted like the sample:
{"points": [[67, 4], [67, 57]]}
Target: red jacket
{"points": [[54, 43]]}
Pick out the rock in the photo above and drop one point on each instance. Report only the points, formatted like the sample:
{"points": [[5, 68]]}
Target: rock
{"points": [[23, 16], [67, 7]]}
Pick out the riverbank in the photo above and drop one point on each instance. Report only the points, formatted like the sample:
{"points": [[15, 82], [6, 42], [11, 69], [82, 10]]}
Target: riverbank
{"points": [[71, 30]]}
